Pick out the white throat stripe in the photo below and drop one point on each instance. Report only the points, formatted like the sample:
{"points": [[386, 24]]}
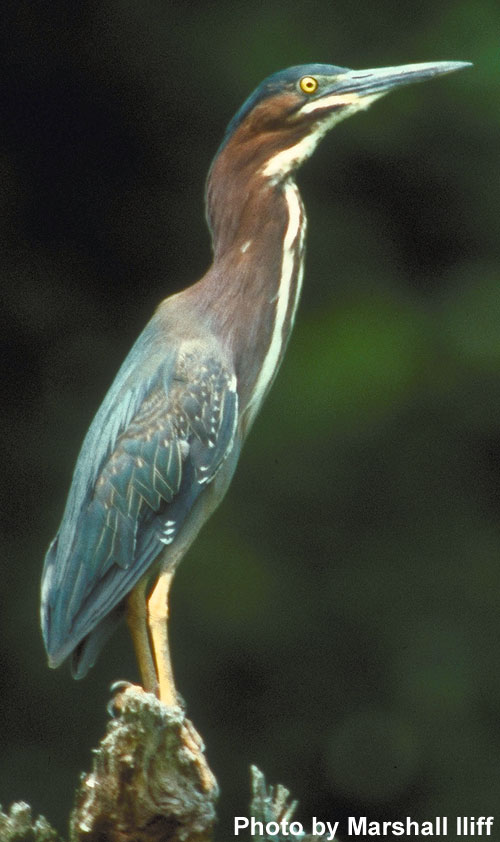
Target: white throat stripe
{"points": [[294, 230], [283, 162]]}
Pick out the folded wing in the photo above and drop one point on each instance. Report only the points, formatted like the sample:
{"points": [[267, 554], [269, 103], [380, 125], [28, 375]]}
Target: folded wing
{"points": [[161, 435]]}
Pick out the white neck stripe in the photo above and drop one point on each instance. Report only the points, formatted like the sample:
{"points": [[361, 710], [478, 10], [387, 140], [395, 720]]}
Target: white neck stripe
{"points": [[271, 360]]}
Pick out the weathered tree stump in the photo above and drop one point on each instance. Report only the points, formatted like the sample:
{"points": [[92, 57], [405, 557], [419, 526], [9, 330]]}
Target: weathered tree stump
{"points": [[150, 782]]}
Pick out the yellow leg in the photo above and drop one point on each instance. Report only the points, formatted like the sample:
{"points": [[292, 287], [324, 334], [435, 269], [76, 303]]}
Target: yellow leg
{"points": [[157, 620], [137, 623]]}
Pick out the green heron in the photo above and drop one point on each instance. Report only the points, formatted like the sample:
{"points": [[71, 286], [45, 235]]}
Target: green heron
{"points": [[162, 449]]}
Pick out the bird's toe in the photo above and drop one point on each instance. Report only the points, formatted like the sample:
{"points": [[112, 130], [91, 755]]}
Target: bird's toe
{"points": [[118, 690]]}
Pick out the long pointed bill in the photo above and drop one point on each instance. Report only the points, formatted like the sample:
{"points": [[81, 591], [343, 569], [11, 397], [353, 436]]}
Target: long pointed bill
{"points": [[366, 82], [360, 87]]}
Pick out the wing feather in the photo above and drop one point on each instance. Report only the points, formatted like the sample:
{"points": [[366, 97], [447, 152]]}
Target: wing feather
{"points": [[162, 433]]}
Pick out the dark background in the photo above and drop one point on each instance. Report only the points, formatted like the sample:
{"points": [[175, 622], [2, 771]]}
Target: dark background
{"points": [[337, 622]]}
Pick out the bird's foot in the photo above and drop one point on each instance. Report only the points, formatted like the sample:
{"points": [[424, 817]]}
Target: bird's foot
{"points": [[118, 690]]}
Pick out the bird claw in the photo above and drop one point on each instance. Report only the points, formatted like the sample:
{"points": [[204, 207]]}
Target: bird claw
{"points": [[121, 686], [117, 689]]}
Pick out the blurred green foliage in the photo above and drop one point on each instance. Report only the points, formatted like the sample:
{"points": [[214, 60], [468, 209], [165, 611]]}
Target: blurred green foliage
{"points": [[337, 622]]}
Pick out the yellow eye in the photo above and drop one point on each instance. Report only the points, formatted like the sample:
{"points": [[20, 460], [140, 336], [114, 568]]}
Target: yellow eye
{"points": [[308, 84]]}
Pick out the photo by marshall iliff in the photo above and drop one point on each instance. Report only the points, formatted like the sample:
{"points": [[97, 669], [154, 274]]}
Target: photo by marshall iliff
{"points": [[460, 826]]}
